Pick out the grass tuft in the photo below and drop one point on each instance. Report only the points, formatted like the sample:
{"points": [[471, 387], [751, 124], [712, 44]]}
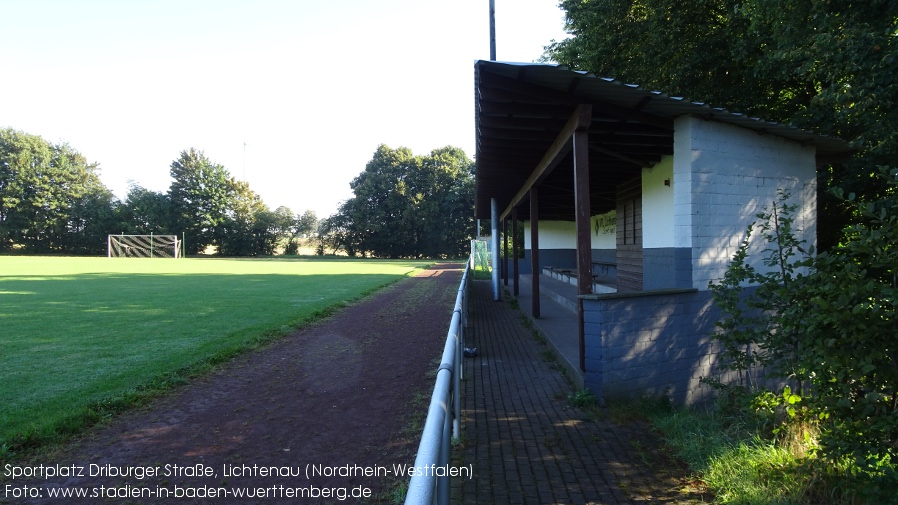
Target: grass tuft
{"points": [[583, 399], [741, 460]]}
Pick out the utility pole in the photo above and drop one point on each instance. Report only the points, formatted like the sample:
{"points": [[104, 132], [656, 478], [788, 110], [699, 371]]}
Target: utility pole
{"points": [[492, 30]]}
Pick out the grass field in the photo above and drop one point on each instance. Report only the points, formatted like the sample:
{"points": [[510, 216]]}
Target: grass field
{"points": [[81, 338]]}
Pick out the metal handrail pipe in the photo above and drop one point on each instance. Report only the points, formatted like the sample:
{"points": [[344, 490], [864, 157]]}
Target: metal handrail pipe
{"points": [[422, 486], [457, 376], [443, 414]]}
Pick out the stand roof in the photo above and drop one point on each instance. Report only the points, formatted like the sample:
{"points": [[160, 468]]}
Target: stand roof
{"points": [[521, 108]]}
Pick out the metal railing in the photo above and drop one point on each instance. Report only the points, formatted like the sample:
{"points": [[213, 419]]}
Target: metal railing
{"points": [[444, 413]]}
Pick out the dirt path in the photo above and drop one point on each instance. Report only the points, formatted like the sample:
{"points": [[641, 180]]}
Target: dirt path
{"points": [[339, 395]]}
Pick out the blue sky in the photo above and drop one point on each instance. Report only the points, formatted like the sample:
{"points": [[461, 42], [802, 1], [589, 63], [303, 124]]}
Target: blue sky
{"points": [[311, 87]]}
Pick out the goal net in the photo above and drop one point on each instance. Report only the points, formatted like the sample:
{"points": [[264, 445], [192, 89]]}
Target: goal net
{"points": [[144, 246]]}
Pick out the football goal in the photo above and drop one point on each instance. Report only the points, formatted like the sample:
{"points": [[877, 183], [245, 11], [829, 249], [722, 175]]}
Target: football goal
{"points": [[144, 246]]}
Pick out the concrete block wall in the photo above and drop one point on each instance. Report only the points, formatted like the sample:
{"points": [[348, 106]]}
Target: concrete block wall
{"points": [[655, 343], [723, 176], [665, 268]]}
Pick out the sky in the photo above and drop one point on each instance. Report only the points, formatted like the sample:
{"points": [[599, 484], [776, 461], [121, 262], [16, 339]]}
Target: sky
{"points": [[292, 96]]}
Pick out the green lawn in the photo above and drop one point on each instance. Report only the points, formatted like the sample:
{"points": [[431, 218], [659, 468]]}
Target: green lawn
{"points": [[83, 337]]}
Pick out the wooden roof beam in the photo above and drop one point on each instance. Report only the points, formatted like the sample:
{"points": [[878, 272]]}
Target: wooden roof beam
{"points": [[579, 120]]}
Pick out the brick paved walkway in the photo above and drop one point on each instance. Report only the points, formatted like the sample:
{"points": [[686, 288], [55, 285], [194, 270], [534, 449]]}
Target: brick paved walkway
{"points": [[528, 445]]}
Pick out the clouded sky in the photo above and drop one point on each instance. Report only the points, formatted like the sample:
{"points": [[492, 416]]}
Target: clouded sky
{"points": [[311, 87]]}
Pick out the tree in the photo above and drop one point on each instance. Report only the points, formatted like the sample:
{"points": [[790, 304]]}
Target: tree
{"points": [[339, 233], [452, 217], [250, 228], [200, 199], [684, 48], [144, 212], [93, 217], [42, 188], [382, 195], [830, 67], [408, 206], [306, 225], [266, 232], [214, 209], [299, 226], [848, 348]]}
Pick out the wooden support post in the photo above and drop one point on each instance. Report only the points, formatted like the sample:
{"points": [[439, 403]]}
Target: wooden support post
{"points": [[584, 238]]}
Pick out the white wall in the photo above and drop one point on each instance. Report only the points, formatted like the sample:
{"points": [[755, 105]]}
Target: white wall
{"points": [[658, 205], [553, 235], [563, 234], [723, 176], [682, 183]]}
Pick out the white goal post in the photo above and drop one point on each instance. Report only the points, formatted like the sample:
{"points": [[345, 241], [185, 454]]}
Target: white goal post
{"points": [[144, 246]]}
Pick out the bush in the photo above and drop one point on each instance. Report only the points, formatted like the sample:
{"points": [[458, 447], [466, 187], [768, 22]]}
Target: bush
{"points": [[828, 325]]}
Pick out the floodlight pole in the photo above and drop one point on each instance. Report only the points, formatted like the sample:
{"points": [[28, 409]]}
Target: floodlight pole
{"points": [[492, 30]]}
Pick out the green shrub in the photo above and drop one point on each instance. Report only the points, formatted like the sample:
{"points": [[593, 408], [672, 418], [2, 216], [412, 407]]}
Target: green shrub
{"points": [[826, 323]]}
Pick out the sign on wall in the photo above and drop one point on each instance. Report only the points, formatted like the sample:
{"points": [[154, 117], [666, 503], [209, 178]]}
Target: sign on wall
{"points": [[605, 224]]}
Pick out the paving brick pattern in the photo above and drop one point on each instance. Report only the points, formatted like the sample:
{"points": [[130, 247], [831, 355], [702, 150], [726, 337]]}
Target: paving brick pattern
{"points": [[528, 445]]}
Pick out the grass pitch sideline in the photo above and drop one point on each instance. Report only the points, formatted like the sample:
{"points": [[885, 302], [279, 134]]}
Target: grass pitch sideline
{"points": [[83, 337]]}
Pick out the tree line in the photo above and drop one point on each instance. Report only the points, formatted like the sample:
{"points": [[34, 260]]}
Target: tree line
{"points": [[52, 201]]}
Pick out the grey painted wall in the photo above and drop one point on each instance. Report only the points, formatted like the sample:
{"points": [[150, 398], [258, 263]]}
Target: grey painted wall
{"points": [[667, 267], [652, 343], [563, 258], [723, 176]]}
